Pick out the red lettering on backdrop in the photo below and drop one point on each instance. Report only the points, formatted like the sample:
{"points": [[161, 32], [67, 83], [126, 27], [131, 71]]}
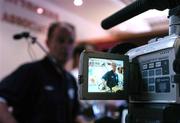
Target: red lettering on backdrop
{"points": [[33, 7], [17, 20]]}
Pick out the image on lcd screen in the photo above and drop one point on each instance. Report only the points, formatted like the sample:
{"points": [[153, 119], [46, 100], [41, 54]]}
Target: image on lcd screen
{"points": [[105, 75]]}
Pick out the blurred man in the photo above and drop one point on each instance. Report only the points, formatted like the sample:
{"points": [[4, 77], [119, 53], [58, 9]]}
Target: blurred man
{"points": [[43, 91]]}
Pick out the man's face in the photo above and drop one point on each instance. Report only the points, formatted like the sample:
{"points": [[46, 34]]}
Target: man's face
{"points": [[114, 67], [60, 44]]}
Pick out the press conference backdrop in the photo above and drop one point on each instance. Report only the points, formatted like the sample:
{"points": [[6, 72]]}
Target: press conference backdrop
{"points": [[17, 16]]}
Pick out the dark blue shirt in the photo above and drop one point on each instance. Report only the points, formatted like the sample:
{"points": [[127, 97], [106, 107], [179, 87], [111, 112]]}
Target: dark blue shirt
{"points": [[39, 94], [111, 78]]}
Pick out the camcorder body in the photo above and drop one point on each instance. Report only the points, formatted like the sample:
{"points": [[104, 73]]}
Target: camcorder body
{"points": [[148, 80], [154, 98], [157, 81], [148, 77]]}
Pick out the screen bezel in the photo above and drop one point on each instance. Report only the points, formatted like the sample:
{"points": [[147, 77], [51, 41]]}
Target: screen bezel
{"points": [[84, 59]]}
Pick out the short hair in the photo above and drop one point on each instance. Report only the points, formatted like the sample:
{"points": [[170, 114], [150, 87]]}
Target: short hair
{"points": [[113, 64], [53, 26], [77, 51], [51, 29]]}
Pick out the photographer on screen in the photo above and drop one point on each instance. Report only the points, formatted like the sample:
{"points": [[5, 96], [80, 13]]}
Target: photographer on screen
{"points": [[111, 77]]}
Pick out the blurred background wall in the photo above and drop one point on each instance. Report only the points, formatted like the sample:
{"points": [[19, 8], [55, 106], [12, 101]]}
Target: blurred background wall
{"points": [[34, 16]]}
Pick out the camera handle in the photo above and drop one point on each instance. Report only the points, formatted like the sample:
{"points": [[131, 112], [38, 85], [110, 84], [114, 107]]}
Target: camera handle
{"points": [[174, 28], [134, 87]]}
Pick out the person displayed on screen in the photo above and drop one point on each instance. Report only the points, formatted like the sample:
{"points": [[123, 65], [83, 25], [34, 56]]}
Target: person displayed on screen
{"points": [[111, 77], [43, 91]]}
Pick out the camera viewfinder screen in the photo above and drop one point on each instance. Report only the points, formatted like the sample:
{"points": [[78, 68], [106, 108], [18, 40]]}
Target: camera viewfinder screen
{"points": [[105, 75]]}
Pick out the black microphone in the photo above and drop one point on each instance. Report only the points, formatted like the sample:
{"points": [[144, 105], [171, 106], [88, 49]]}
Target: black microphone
{"points": [[137, 8], [21, 35]]}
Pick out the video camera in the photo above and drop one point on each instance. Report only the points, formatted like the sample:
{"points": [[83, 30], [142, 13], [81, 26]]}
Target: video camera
{"points": [[150, 74]]}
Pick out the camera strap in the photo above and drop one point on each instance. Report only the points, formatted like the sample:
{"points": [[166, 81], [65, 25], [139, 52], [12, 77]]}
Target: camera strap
{"points": [[135, 80], [176, 67]]}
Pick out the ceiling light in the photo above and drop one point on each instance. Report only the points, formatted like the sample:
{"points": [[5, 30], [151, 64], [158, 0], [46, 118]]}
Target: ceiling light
{"points": [[40, 10], [78, 2]]}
